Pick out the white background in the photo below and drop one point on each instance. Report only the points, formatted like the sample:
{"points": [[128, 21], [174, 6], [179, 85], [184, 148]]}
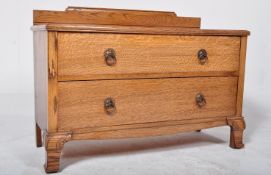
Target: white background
{"points": [[19, 156]]}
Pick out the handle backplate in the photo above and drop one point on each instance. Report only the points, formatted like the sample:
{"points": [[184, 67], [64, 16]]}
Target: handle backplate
{"points": [[202, 56], [110, 57], [200, 100], [109, 106]]}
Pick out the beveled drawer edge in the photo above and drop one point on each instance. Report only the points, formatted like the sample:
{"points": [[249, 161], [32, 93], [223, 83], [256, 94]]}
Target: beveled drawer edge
{"points": [[148, 76]]}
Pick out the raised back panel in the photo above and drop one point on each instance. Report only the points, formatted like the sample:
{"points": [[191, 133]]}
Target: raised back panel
{"points": [[102, 16]]}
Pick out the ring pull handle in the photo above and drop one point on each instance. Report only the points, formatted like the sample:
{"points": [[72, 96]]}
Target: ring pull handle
{"points": [[200, 100], [202, 56], [110, 57], [109, 106]]}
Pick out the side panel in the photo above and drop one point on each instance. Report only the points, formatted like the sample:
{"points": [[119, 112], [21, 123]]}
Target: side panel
{"points": [[40, 77], [241, 76]]}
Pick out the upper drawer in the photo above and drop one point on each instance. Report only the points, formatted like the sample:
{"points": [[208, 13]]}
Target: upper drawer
{"points": [[81, 56]]}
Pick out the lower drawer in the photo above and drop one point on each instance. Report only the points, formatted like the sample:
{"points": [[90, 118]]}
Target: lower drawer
{"points": [[84, 104]]}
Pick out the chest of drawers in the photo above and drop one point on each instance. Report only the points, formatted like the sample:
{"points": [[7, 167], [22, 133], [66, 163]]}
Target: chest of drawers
{"points": [[108, 74]]}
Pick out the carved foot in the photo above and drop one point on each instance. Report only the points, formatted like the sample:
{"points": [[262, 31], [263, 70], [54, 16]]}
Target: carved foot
{"points": [[38, 136], [237, 127], [54, 144]]}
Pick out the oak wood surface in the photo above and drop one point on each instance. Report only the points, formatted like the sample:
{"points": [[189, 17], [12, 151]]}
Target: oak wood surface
{"points": [[237, 126], [52, 82], [75, 15], [150, 125], [54, 143], [139, 30], [81, 56], [151, 75], [38, 136], [81, 103], [149, 131], [97, 10], [153, 86], [40, 77]]}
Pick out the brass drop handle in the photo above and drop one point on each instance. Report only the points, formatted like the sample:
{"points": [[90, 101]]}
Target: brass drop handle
{"points": [[200, 100], [109, 106], [202, 56], [110, 57]]}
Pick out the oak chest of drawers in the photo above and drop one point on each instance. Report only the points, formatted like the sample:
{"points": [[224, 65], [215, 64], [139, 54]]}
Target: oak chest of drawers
{"points": [[108, 73]]}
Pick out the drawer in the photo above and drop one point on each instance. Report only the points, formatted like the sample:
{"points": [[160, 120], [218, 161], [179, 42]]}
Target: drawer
{"points": [[85, 104], [81, 56]]}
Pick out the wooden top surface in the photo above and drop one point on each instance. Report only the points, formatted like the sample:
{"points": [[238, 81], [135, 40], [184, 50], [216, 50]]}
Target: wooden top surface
{"points": [[139, 30], [81, 19]]}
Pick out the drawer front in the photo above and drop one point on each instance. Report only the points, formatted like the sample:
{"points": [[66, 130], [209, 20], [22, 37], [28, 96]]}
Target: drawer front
{"points": [[81, 56], [84, 104]]}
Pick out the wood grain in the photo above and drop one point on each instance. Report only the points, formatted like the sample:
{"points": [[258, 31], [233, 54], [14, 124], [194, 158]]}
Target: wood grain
{"points": [[150, 125], [40, 78], [241, 79], [153, 85], [237, 125], [54, 143], [38, 136], [149, 131], [81, 56], [102, 10], [114, 17], [81, 104], [52, 82]]}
